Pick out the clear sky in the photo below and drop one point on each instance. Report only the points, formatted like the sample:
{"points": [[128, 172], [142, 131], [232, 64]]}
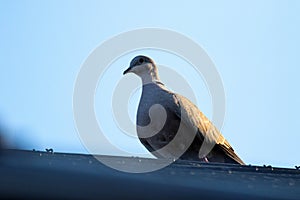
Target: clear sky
{"points": [[254, 45]]}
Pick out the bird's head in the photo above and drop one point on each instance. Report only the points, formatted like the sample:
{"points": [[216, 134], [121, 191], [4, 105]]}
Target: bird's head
{"points": [[144, 67]]}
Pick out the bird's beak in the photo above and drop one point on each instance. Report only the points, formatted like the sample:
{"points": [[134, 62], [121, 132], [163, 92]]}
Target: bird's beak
{"points": [[127, 70]]}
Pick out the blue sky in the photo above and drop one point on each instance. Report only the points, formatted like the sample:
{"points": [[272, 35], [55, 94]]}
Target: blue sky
{"points": [[254, 45]]}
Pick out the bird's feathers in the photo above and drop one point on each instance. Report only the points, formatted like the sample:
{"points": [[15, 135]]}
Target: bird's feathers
{"points": [[193, 117], [185, 124]]}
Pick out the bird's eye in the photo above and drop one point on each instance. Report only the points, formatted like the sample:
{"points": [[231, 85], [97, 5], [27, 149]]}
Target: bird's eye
{"points": [[141, 60]]}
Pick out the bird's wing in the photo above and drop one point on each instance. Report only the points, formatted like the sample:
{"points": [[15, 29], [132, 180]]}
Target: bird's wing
{"points": [[194, 118]]}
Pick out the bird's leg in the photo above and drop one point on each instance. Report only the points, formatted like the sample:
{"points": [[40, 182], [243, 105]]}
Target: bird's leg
{"points": [[204, 160]]}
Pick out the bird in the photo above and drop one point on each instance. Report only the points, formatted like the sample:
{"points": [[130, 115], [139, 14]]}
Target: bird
{"points": [[169, 125]]}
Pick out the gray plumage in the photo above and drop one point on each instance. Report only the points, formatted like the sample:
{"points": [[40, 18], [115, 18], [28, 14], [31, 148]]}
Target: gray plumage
{"points": [[168, 123]]}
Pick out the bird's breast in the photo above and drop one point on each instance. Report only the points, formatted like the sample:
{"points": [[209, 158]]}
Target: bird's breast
{"points": [[156, 122]]}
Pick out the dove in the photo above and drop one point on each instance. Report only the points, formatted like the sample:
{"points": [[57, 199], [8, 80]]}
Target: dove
{"points": [[170, 126]]}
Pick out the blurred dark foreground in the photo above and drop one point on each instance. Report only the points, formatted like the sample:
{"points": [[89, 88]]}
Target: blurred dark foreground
{"points": [[35, 174]]}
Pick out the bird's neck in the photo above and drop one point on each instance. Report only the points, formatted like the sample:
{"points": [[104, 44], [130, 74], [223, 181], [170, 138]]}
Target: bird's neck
{"points": [[151, 77]]}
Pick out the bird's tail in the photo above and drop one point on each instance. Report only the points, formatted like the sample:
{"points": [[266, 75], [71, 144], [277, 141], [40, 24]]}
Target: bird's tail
{"points": [[223, 154]]}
